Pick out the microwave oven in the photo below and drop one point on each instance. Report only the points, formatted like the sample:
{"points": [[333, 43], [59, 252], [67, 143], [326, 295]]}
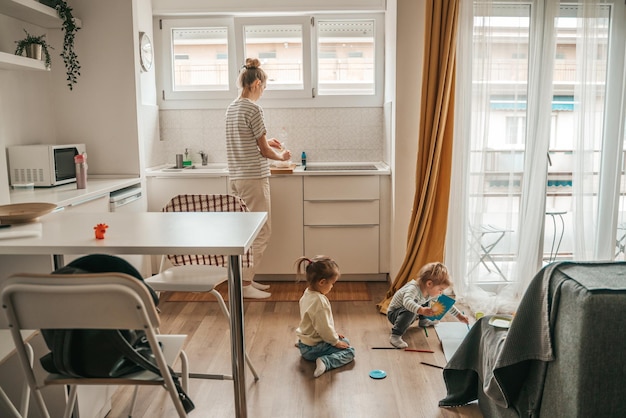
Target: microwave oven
{"points": [[43, 165]]}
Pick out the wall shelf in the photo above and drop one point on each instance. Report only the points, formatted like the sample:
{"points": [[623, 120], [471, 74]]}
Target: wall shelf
{"points": [[33, 12], [16, 62]]}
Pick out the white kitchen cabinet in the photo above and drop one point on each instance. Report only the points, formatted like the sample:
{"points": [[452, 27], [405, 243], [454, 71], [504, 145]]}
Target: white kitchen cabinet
{"points": [[353, 247], [342, 220], [161, 189], [337, 215], [286, 241]]}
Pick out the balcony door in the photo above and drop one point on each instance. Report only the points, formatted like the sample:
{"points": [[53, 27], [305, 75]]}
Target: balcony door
{"points": [[536, 154]]}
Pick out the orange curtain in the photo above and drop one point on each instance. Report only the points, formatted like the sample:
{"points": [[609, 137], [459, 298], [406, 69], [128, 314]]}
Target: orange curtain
{"points": [[427, 228]]}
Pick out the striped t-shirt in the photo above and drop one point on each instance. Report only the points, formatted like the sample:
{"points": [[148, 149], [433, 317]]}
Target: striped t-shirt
{"points": [[244, 125]]}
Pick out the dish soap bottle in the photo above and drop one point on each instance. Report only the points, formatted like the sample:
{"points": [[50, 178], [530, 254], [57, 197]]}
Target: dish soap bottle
{"points": [[187, 160], [303, 159]]}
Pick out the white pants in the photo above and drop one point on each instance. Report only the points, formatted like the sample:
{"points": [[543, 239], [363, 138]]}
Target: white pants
{"points": [[256, 194]]}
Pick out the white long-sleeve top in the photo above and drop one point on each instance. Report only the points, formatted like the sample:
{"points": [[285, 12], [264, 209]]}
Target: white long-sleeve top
{"points": [[411, 298], [316, 319]]}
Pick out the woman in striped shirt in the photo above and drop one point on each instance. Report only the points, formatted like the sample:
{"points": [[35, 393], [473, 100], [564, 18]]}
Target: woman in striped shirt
{"points": [[248, 150]]}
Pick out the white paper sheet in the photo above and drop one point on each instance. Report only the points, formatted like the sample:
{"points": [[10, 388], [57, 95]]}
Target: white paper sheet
{"points": [[451, 334]]}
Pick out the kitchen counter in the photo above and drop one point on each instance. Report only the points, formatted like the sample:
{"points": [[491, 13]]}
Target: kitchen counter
{"points": [[68, 194], [319, 169]]}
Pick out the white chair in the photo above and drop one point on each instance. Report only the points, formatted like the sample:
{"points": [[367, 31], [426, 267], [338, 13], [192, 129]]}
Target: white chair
{"points": [[83, 301], [484, 249], [6, 348], [200, 273], [620, 240]]}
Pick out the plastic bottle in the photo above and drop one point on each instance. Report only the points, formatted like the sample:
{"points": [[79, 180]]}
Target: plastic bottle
{"points": [[303, 159], [187, 160], [80, 162], [282, 137]]}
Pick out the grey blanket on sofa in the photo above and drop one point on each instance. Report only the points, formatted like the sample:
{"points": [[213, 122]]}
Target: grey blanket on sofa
{"points": [[509, 366]]}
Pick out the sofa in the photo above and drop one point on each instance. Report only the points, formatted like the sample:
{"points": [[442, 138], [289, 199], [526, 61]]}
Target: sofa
{"points": [[564, 354]]}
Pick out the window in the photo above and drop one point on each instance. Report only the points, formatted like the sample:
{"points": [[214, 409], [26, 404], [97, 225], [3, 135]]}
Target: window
{"points": [[199, 59], [546, 85], [515, 130], [333, 59], [282, 44], [346, 57]]}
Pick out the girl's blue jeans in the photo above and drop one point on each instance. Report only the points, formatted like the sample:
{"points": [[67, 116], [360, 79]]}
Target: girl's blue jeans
{"points": [[331, 356]]}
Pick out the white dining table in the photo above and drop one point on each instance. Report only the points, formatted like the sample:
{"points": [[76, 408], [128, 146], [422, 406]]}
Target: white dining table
{"points": [[227, 233]]}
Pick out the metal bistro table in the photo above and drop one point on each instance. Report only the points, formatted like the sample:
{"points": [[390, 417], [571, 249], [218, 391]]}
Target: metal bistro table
{"points": [[227, 233]]}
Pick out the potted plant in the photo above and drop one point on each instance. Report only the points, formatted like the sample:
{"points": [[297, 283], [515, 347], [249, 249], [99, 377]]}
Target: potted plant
{"points": [[34, 47], [72, 66]]}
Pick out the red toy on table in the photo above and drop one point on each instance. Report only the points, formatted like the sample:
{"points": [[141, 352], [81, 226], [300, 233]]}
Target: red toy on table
{"points": [[100, 230]]}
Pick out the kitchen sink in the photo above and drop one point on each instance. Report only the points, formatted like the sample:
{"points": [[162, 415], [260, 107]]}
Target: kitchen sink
{"points": [[195, 169], [342, 167]]}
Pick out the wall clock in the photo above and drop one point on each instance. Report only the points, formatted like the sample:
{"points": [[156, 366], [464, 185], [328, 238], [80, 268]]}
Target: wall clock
{"points": [[146, 55]]}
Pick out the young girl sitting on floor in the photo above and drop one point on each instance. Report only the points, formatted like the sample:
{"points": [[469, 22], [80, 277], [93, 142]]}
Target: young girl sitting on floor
{"points": [[413, 299], [318, 340]]}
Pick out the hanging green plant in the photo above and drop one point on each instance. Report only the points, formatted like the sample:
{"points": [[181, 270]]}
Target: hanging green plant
{"points": [[72, 66], [70, 58], [23, 46]]}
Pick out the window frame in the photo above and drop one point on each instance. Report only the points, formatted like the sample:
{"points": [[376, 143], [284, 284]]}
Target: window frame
{"points": [[307, 63], [167, 83], [307, 97]]}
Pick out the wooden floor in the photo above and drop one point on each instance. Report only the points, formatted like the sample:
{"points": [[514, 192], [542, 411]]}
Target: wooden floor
{"points": [[286, 387]]}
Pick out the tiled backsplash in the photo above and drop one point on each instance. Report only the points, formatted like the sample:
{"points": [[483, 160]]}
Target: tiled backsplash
{"points": [[326, 134]]}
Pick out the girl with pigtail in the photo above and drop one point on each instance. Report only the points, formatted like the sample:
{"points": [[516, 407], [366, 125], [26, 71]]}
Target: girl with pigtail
{"points": [[317, 338]]}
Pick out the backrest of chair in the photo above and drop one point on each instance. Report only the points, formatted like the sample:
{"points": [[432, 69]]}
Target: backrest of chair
{"points": [[78, 301], [207, 203], [81, 301]]}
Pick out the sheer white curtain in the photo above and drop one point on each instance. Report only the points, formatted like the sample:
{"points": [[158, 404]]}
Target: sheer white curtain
{"points": [[590, 159], [505, 124]]}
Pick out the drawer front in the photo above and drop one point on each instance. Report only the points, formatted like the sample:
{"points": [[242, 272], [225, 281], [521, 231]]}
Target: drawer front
{"points": [[341, 188], [354, 248], [360, 212], [98, 204]]}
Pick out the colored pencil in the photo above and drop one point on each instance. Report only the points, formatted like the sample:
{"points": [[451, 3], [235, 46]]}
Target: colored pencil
{"points": [[426, 332], [406, 349], [431, 365]]}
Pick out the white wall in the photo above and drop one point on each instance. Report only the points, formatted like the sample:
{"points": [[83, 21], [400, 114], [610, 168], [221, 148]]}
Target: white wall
{"points": [[147, 109], [101, 111], [408, 76], [26, 115]]}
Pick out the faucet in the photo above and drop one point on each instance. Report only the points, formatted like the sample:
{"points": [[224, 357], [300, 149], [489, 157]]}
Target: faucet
{"points": [[205, 157]]}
